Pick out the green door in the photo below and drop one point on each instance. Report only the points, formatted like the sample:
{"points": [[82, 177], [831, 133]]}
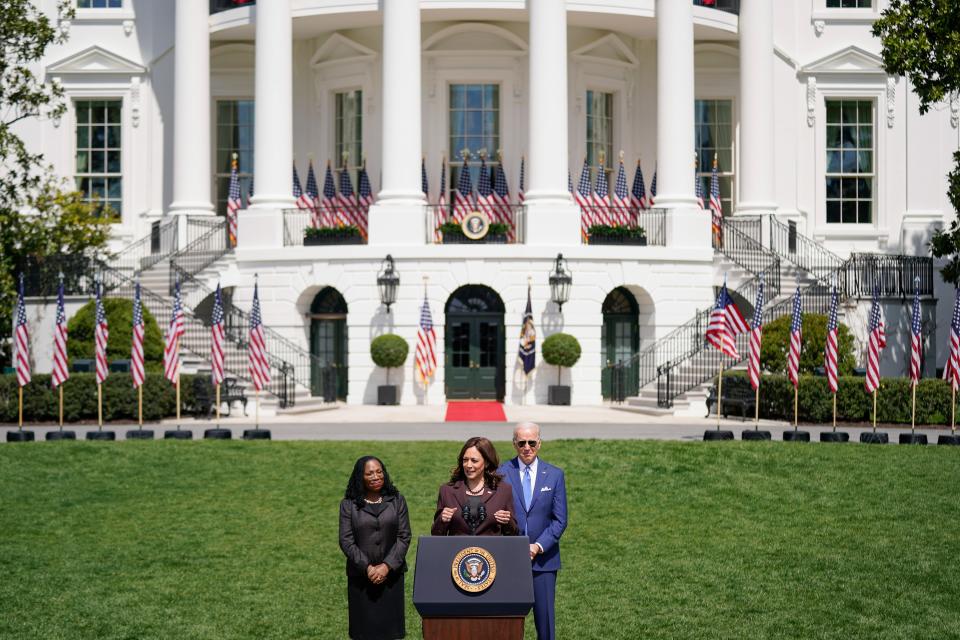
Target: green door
{"points": [[474, 354], [620, 337], [328, 343]]}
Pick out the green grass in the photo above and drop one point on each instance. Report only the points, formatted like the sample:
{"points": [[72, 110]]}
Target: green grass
{"points": [[212, 540]]}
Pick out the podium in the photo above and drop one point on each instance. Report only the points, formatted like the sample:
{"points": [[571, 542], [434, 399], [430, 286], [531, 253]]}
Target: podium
{"points": [[473, 607]]}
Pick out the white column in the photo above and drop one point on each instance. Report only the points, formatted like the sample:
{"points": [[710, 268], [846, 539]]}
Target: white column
{"points": [[756, 176], [399, 216], [273, 119], [675, 97], [401, 103], [552, 218], [191, 110]]}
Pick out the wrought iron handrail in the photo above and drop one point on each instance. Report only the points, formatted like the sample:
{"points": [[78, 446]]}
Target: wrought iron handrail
{"points": [[301, 363], [297, 224], [809, 255], [207, 242], [893, 273], [154, 247], [751, 255]]}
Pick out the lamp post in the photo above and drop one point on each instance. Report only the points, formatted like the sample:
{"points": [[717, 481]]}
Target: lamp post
{"points": [[387, 282], [560, 281]]}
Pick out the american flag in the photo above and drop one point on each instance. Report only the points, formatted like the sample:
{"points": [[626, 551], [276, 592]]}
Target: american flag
{"points": [[101, 334], [171, 350], [756, 337], [259, 367], [653, 191], [60, 370], [216, 338], [916, 341], [22, 340], [364, 191], [426, 357], [527, 354], [501, 194], [952, 371], [313, 196], [830, 353], [136, 350], [582, 196], [302, 200], [328, 203], [601, 199], [638, 193], [463, 196], [716, 207], [522, 182], [485, 201], [796, 340], [877, 340], [234, 202], [349, 207], [698, 189], [726, 323], [621, 198]]}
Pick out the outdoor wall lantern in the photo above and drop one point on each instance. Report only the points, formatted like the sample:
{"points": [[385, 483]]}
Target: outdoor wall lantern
{"points": [[560, 281], [387, 282]]}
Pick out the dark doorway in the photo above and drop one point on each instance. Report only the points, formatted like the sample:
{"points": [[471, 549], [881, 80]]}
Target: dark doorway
{"points": [[328, 341], [621, 340], [474, 345]]}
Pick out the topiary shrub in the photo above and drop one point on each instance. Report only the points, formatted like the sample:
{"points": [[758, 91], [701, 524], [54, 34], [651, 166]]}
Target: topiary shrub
{"points": [[120, 321], [561, 350], [776, 345], [389, 351]]}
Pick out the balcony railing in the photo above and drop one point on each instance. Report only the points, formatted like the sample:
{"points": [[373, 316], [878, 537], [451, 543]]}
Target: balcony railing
{"points": [[620, 226], [730, 6], [894, 274], [217, 6], [322, 225], [511, 215]]}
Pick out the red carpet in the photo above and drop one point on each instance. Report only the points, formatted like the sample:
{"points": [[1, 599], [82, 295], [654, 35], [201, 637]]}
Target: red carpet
{"points": [[475, 412]]}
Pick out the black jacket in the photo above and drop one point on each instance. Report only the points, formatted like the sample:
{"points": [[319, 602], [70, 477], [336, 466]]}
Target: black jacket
{"points": [[367, 539]]}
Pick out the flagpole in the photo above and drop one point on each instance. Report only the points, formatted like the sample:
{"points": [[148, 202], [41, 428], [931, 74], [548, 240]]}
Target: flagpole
{"points": [[177, 385], [257, 411], [953, 409], [218, 405], [99, 407], [20, 408], [140, 406], [834, 412], [875, 410], [756, 409], [796, 395], [60, 389], [719, 391], [913, 410]]}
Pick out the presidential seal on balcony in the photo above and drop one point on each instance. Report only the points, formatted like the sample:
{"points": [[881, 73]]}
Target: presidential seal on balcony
{"points": [[475, 225], [474, 570]]}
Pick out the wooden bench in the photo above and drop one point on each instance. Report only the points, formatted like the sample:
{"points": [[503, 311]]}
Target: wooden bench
{"points": [[737, 392]]}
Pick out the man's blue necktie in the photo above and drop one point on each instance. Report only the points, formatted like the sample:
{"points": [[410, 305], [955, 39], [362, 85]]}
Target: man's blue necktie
{"points": [[527, 488]]}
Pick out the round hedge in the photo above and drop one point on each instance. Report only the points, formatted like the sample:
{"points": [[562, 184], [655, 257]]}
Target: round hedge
{"points": [[561, 350], [120, 322], [776, 345], [389, 351]]}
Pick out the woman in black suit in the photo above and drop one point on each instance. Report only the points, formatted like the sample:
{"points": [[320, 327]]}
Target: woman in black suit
{"points": [[374, 535], [476, 501]]}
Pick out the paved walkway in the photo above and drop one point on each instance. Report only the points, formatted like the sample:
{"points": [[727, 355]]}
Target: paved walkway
{"points": [[368, 422]]}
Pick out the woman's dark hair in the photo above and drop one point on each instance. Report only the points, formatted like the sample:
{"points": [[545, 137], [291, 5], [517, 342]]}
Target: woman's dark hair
{"points": [[491, 462], [355, 489]]}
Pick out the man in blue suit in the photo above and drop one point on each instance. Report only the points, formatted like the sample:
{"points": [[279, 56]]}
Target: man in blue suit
{"points": [[540, 505]]}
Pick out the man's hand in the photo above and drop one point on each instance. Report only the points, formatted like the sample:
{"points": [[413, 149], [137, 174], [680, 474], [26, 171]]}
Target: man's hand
{"points": [[534, 550]]}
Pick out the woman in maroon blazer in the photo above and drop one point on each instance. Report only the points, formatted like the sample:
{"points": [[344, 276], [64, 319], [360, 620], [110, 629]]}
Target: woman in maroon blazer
{"points": [[476, 501]]}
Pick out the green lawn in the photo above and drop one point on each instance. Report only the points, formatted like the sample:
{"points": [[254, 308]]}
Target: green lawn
{"points": [[209, 540]]}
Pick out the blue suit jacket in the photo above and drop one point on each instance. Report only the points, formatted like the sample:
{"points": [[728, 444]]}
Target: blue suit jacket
{"points": [[546, 519]]}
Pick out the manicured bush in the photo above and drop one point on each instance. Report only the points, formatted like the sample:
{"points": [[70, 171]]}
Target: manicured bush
{"points": [[776, 344], [324, 232], [389, 351], [41, 404], [854, 404], [561, 350], [615, 231], [120, 322]]}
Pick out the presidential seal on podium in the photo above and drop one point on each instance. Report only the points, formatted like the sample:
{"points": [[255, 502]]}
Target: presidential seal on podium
{"points": [[474, 569]]}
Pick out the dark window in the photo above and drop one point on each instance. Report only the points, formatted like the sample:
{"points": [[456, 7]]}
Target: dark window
{"points": [[99, 155]]}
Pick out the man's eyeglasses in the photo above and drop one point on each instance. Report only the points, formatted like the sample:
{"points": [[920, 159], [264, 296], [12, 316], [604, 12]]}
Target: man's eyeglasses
{"points": [[526, 443]]}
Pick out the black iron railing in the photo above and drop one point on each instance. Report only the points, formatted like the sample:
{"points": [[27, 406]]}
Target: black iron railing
{"points": [[41, 277], [894, 274], [620, 375], [156, 246], [512, 215], [207, 242], [730, 6], [749, 226], [339, 229], [811, 256], [653, 222]]}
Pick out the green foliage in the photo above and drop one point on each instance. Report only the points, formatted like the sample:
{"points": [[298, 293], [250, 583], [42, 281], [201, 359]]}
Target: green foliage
{"points": [[238, 540], [615, 231], [41, 401], [854, 404], [921, 40], [561, 350], [776, 345], [120, 321], [389, 351], [326, 232]]}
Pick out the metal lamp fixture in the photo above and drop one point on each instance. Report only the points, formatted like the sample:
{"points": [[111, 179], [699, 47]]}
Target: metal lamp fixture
{"points": [[560, 282], [388, 281]]}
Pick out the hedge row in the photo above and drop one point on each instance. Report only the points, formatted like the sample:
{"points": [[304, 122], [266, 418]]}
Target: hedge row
{"points": [[41, 402], [854, 404]]}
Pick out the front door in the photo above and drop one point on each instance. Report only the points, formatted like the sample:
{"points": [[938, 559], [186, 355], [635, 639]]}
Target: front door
{"points": [[474, 353], [621, 338], [328, 342]]}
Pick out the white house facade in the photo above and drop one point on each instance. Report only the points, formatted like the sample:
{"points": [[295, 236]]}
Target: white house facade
{"points": [[826, 172]]}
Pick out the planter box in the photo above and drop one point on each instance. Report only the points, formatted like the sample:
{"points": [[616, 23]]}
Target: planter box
{"points": [[459, 238], [387, 394], [339, 238], [637, 242], [558, 394]]}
